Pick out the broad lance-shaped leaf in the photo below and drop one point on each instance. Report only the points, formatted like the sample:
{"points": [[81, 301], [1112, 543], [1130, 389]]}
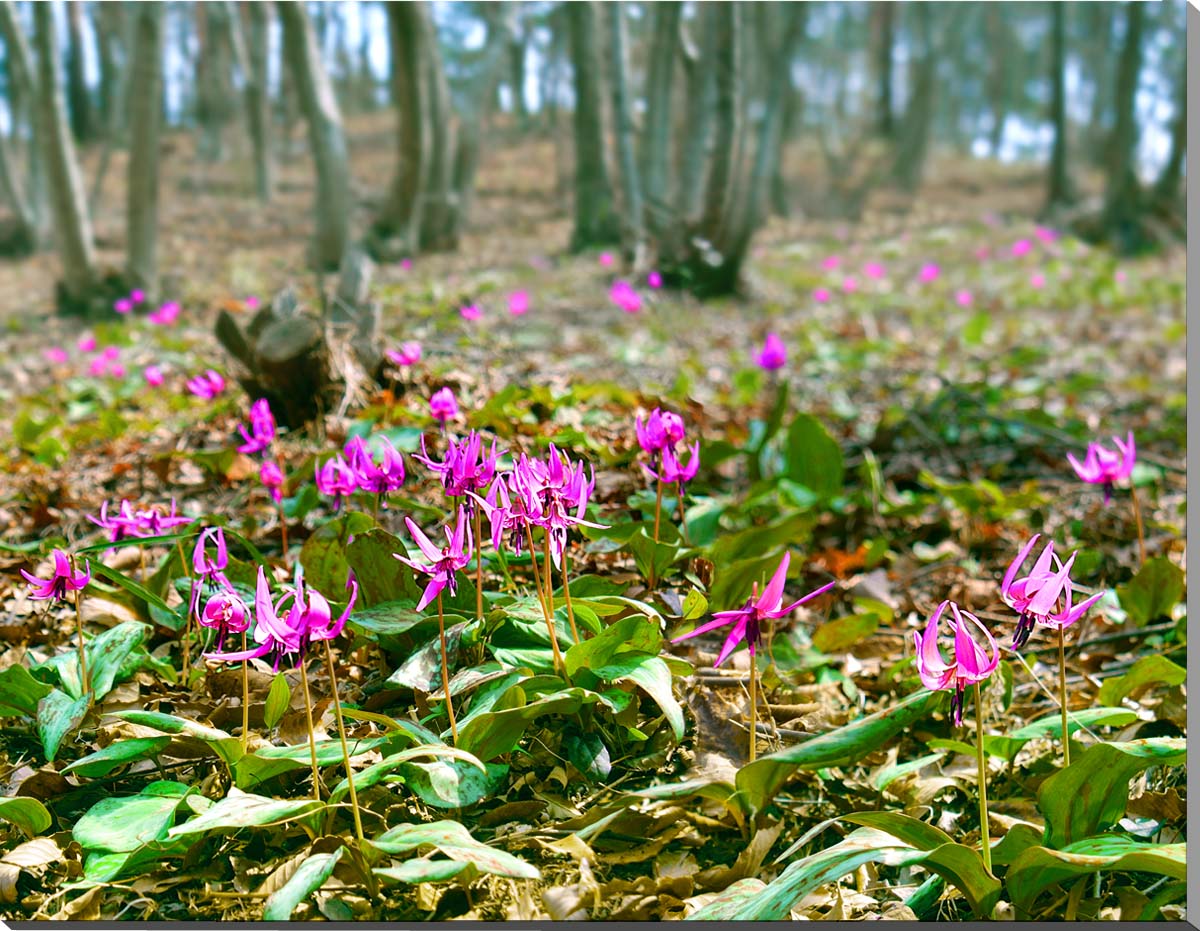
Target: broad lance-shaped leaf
{"points": [[224, 745], [253, 769], [242, 810], [304, 882], [122, 825], [653, 676], [1086, 797], [456, 842], [377, 771], [28, 814], [1039, 868], [758, 782], [1149, 670], [20, 692], [115, 755], [58, 715]]}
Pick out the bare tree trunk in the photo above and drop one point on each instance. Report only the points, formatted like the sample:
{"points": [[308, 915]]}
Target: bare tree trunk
{"points": [[79, 104], [1058, 193], [214, 87], [333, 201], [793, 105], [631, 185], [596, 221], [72, 224], [883, 21], [25, 99], [700, 89], [1122, 194], [998, 74], [398, 217], [1098, 63], [656, 138], [1165, 193], [258, 103], [439, 203], [727, 64], [145, 116], [516, 72], [912, 141]]}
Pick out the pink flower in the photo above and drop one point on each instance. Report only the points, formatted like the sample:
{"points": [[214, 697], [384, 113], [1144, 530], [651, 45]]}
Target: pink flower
{"points": [[470, 312], [335, 479], [1045, 234], [165, 315], [122, 305], [63, 579], [271, 477], [406, 264], [623, 294], [662, 429], [98, 367], [821, 295], [982, 253], [654, 279], [111, 353], [850, 284], [972, 662], [1021, 247], [747, 620], [55, 355], [466, 467], [1102, 466], [262, 428], [518, 303], [137, 295], [873, 270], [116, 370], [773, 354], [929, 272], [380, 477], [964, 298], [830, 263], [1120, 276], [606, 259], [208, 385], [1043, 596], [444, 563], [1037, 279], [87, 344], [408, 354], [153, 375], [251, 302], [225, 613], [672, 471], [443, 406]]}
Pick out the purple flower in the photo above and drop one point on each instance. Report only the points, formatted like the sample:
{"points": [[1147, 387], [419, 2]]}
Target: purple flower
{"points": [[87, 344], [442, 406], [137, 295], [518, 303], [271, 477], [63, 579], [558, 491], [154, 376], [972, 662], [123, 524], [209, 570], [225, 613], [165, 315], [1102, 466], [661, 429], [821, 295], [1037, 280], [153, 522], [1021, 247], [654, 280], [773, 354], [1043, 596], [470, 312], [873, 270], [467, 466], [1045, 234], [831, 262], [606, 259], [380, 477], [625, 296], [850, 284], [672, 471], [747, 620], [335, 479], [251, 302], [208, 385], [262, 428], [55, 355], [122, 305], [408, 354], [443, 564], [929, 272], [963, 298]]}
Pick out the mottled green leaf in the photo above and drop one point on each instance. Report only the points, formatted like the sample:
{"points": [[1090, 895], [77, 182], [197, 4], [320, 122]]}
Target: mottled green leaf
{"points": [[304, 882]]}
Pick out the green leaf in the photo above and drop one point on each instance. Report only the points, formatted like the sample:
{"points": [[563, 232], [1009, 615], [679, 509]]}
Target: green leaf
{"points": [[1153, 592], [758, 782], [125, 582], [421, 870], [839, 635], [653, 676], [694, 605], [725, 905], [225, 746], [423, 670], [279, 697], [108, 653], [116, 755], [20, 692], [242, 810], [889, 774], [304, 882], [377, 771], [1039, 868], [635, 632], [381, 577], [589, 755], [972, 333], [1088, 796], [122, 825], [498, 732], [323, 554], [58, 715], [452, 783], [456, 842], [1147, 671], [653, 559], [388, 619], [814, 458], [28, 814], [255, 768]]}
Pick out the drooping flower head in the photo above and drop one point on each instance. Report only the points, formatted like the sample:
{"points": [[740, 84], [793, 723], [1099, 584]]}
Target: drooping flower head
{"points": [[225, 613], [120, 525], [154, 376], [208, 385], [672, 471], [262, 429], [63, 579], [377, 476], [157, 520], [625, 296], [408, 354], [1044, 596], [972, 662], [1102, 466], [443, 564], [558, 491], [335, 479], [660, 430], [271, 477], [443, 406], [208, 569], [466, 467], [747, 620], [518, 303], [773, 354]]}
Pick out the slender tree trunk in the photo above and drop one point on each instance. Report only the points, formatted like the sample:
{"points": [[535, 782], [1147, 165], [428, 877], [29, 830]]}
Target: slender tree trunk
{"points": [[1058, 193], [72, 224], [727, 64], [439, 203], [333, 203], [912, 141], [655, 151], [596, 221], [793, 105], [79, 104], [884, 22], [631, 184], [475, 111], [26, 100], [701, 87], [998, 74], [1166, 188], [1098, 63], [516, 74], [1122, 194], [258, 103], [145, 116]]}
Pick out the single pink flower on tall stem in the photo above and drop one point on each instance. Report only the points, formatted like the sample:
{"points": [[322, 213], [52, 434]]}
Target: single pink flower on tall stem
{"points": [[1103, 466], [65, 578]]}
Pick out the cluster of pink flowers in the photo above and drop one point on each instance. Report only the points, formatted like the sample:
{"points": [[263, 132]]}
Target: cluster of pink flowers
{"points": [[625, 296], [124, 305], [443, 406], [208, 385], [660, 436], [143, 522], [357, 468], [408, 355]]}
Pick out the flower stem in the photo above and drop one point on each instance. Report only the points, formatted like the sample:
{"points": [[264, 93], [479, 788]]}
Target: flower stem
{"points": [[682, 517], [1062, 696], [245, 697], [1137, 517], [985, 839], [478, 565], [337, 712], [187, 625], [567, 596], [84, 684], [537, 581], [445, 673], [283, 541], [753, 707], [657, 509], [312, 739]]}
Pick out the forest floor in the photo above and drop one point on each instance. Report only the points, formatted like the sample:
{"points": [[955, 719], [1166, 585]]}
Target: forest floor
{"points": [[930, 405]]}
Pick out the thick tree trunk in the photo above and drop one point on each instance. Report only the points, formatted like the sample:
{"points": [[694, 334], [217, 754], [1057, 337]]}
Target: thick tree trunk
{"points": [[727, 63], [633, 214], [1098, 65], [333, 201], [1058, 192], [214, 88], [701, 88], [516, 74], [72, 224], [912, 140], [145, 115], [25, 100], [655, 154], [79, 103], [596, 221], [793, 105], [883, 22], [1122, 194], [1166, 189]]}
